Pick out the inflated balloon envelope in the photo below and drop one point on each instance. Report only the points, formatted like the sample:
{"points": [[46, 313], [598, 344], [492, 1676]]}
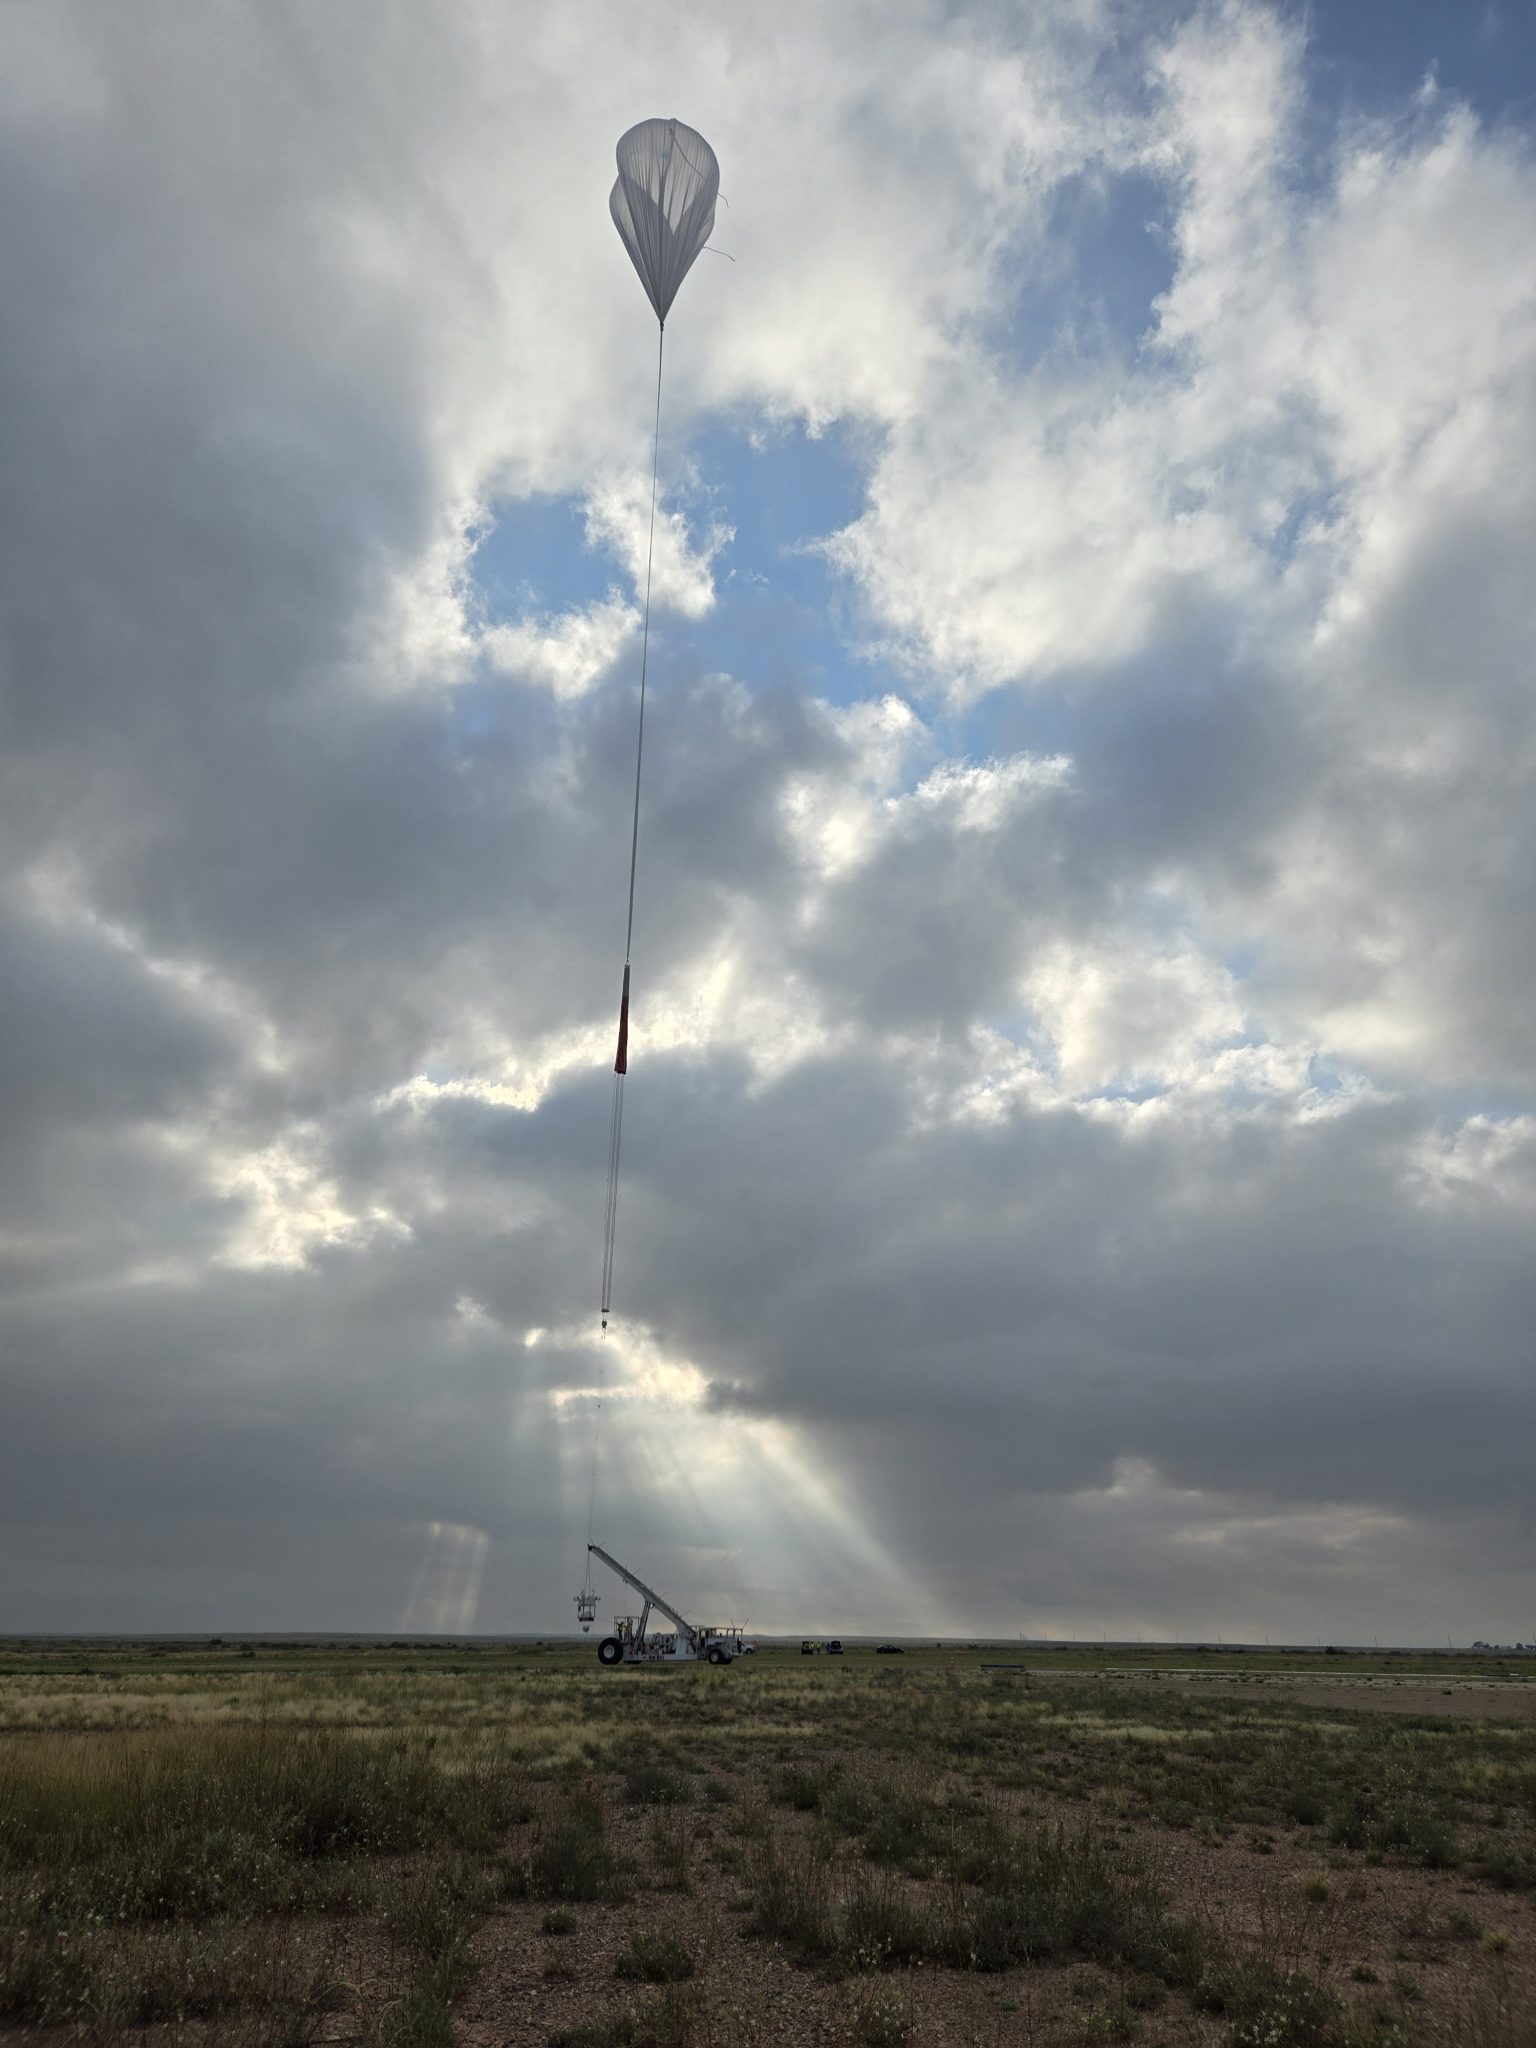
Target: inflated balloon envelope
{"points": [[663, 204]]}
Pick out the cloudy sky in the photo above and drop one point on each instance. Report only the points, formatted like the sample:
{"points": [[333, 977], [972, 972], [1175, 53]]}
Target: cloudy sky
{"points": [[1080, 1158]]}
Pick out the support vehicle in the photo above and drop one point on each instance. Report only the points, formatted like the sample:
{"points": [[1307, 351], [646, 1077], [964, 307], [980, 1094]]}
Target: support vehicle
{"points": [[629, 1643]]}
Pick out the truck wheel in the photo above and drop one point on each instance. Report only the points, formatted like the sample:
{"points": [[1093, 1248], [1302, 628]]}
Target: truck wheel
{"points": [[610, 1650], [717, 1656]]}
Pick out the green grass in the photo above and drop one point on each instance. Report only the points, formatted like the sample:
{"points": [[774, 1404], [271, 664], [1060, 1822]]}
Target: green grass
{"points": [[655, 1784], [653, 1959], [157, 1876], [432, 1918], [186, 1823], [570, 1858], [418, 2020], [882, 2016], [55, 1975], [670, 2018]]}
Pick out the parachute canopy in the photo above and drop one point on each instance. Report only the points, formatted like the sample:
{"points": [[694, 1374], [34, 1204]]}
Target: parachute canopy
{"points": [[663, 203]]}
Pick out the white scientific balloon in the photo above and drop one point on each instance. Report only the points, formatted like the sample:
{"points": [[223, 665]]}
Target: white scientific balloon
{"points": [[663, 204]]}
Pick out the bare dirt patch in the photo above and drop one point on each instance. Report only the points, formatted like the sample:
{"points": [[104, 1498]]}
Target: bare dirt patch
{"points": [[1456, 1699]]}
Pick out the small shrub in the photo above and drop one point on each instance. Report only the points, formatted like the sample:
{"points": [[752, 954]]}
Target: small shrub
{"points": [[791, 1899], [802, 1786], [570, 1860], [653, 1959], [882, 2016], [902, 1830], [1505, 1868], [1291, 2011], [750, 1820], [670, 2019], [880, 1926], [1433, 1840], [1347, 1828], [671, 1844], [419, 2020], [1105, 2023], [850, 1804], [987, 1932], [1303, 1806], [432, 1918], [654, 1784]]}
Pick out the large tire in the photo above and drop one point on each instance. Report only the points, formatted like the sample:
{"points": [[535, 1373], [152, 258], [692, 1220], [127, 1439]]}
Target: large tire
{"points": [[610, 1651], [718, 1656]]}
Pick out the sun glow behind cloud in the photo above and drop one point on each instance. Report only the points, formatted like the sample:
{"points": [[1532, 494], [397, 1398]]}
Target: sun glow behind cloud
{"points": [[742, 1491]]}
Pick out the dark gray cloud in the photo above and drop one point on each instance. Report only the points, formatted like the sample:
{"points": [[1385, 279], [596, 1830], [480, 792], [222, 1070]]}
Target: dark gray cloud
{"points": [[1079, 1165]]}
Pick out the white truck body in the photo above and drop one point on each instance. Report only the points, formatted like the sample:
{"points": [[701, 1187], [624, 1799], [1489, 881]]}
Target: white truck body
{"points": [[691, 1644]]}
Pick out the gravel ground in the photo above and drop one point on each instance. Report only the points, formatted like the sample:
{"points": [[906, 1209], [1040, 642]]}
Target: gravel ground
{"points": [[1458, 1699], [1376, 1930]]}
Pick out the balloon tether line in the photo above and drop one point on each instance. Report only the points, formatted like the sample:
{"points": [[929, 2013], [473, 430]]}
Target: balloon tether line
{"points": [[621, 1061], [597, 1424]]}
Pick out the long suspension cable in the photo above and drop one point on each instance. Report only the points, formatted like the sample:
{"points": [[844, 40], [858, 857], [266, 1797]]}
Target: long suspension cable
{"points": [[621, 1061], [597, 1424]]}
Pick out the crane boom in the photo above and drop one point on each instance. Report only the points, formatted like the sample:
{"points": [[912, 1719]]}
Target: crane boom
{"points": [[647, 1593]]}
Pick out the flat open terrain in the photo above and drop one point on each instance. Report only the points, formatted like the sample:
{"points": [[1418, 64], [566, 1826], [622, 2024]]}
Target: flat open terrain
{"points": [[274, 1843]]}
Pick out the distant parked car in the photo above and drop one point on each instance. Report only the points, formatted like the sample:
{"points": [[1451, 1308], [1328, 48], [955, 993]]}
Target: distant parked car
{"points": [[810, 1649], [834, 1648], [890, 1650]]}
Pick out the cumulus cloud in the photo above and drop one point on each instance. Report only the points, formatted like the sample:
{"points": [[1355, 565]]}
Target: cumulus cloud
{"points": [[618, 516], [568, 652], [1079, 1148]]}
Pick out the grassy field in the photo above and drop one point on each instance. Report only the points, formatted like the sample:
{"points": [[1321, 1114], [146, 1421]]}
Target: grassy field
{"points": [[273, 1843]]}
